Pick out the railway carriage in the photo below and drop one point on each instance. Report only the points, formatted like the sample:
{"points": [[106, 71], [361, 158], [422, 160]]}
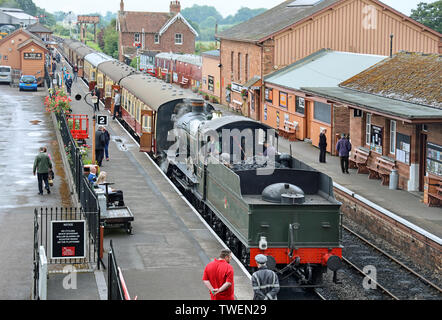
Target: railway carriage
{"points": [[91, 63]]}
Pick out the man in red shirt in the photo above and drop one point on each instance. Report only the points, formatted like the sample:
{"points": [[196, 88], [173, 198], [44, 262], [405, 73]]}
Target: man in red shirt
{"points": [[218, 277]]}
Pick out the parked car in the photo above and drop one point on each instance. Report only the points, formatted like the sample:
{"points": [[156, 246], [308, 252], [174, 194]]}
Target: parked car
{"points": [[5, 74], [28, 83]]}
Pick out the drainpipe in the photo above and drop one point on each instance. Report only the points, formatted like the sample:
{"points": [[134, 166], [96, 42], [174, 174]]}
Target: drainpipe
{"points": [[391, 45]]}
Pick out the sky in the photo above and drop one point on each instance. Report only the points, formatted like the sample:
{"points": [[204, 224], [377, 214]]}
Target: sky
{"points": [[225, 7]]}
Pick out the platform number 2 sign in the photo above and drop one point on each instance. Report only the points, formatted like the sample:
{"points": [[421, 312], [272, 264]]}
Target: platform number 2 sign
{"points": [[102, 120]]}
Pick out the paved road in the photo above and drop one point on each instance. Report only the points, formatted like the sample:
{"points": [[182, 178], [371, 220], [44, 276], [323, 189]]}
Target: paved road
{"points": [[24, 127]]}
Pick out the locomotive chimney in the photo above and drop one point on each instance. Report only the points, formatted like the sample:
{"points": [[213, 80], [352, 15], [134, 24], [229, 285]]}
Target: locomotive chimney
{"points": [[175, 7], [197, 105]]}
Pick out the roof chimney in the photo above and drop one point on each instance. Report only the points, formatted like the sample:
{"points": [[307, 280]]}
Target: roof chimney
{"points": [[121, 6], [175, 7]]}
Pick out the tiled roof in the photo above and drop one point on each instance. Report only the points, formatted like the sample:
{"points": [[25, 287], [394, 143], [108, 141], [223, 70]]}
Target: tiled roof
{"points": [[273, 20], [38, 28], [410, 77], [152, 22]]}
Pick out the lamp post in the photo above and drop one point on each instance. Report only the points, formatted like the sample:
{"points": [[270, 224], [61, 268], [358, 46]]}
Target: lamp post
{"points": [[94, 119]]}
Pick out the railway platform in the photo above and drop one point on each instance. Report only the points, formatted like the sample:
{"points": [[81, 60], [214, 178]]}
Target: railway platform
{"points": [[165, 257]]}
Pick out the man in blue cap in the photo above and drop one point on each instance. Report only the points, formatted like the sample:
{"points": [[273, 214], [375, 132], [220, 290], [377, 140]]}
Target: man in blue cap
{"points": [[264, 281]]}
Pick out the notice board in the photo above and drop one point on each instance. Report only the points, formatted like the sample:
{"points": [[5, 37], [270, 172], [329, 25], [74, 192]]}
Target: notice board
{"points": [[68, 239]]}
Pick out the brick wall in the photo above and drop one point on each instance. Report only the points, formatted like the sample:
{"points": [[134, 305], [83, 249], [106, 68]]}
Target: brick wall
{"points": [[412, 244], [254, 65]]}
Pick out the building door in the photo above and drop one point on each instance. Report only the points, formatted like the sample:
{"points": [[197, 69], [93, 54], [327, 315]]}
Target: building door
{"points": [[422, 160], [308, 118]]}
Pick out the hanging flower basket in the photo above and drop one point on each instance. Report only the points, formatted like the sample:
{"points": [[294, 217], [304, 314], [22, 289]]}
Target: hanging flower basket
{"points": [[244, 94], [58, 102]]}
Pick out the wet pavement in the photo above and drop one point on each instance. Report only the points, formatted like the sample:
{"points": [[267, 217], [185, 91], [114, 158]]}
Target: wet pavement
{"points": [[25, 126]]}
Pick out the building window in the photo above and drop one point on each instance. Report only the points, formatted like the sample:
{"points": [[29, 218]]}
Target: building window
{"points": [[231, 65], [322, 112], [247, 67], [269, 95], [300, 105], [368, 129], [137, 37], [157, 38], [5, 57], [283, 99], [239, 66], [392, 136], [265, 112], [178, 38]]}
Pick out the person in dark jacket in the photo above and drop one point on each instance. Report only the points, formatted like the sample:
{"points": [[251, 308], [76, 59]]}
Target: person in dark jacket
{"points": [[96, 93], [344, 147], [69, 84], [322, 145], [100, 141], [106, 143], [264, 281], [42, 165]]}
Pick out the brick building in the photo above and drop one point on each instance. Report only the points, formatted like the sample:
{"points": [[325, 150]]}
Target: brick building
{"points": [[395, 117], [25, 52], [154, 31], [294, 30], [210, 83], [297, 115]]}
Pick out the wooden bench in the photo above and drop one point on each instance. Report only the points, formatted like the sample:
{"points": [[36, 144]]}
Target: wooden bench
{"points": [[434, 191], [381, 169], [289, 131], [359, 160], [184, 83]]}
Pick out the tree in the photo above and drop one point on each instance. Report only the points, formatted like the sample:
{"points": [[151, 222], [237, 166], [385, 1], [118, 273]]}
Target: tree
{"points": [[198, 13], [429, 14], [110, 39]]}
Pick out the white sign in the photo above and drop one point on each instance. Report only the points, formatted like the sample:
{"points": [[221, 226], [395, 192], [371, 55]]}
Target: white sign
{"points": [[102, 121], [236, 87]]}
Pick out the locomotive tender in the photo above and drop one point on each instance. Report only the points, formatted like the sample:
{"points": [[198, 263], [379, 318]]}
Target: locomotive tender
{"points": [[257, 202]]}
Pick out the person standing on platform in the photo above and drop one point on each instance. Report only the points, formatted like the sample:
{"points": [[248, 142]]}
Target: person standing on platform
{"points": [[96, 93], [218, 277], [42, 165], [106, 143], [69, 84], [322, 145], [344, 147], [265, 282], [117, 104], [99, 145], [75, 71]]}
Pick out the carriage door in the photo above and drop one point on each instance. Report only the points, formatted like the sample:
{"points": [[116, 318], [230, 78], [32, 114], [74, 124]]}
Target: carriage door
{"points": [[146, 140]]}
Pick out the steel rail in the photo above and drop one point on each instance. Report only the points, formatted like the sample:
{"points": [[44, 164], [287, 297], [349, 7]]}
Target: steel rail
{"points": [[378, 286], [420, 277]]}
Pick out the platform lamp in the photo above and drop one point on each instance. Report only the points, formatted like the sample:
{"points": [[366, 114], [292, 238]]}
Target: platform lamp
{"points": [[94, 119]]}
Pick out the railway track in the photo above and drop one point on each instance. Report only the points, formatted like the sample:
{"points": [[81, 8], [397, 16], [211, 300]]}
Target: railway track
{"points": [[384, 276]]}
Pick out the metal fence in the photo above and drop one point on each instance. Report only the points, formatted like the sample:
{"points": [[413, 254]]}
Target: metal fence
{"points": [[116, 285]]}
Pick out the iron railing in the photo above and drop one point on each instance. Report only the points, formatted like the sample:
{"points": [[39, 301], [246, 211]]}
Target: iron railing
{"points": [[116, 286]]}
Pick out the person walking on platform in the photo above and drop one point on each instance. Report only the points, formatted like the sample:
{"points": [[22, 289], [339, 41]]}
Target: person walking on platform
{"points": [[322, 145], [69, 84], [117, 104], [42, 165], [344, 147], [99, 145], [218, 277], [106, 143], [265, 282], [75, 71]]}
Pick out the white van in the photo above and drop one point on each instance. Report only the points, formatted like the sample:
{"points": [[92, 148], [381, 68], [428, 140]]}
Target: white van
{"points": [[5, 74]]}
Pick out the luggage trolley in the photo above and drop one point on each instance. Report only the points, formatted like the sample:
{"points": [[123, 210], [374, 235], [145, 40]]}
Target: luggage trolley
{"points": [[113, 210]]}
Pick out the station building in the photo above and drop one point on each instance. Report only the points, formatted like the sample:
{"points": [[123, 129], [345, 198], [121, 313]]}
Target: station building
{"points": [[395, 119], [24, 52], [210, 83], [298, 115], [296, 29]]}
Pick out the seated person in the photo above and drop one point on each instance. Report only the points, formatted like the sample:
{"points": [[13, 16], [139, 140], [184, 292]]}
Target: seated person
{"points": [[92, 177], [113, 194]]}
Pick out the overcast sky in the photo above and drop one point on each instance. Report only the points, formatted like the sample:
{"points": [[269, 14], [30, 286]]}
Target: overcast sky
{"points": [[225, 7]]}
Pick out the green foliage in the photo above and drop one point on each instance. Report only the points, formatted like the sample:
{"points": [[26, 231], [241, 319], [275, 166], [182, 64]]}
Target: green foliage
{"points": [[207, 17], [203, 46], [429, 14], [30, 8], [135, 62], [110, 40]]}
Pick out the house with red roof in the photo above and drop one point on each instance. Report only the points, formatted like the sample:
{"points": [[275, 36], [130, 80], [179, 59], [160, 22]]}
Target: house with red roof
{"points": [[154, 31]]}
